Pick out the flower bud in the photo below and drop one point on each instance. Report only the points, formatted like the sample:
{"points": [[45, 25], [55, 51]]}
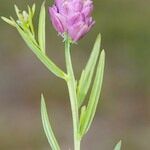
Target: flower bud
{"points": [[72, 17]]}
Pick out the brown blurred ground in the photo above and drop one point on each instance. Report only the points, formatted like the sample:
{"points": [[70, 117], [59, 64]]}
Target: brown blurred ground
{"points": [[124, 110]]}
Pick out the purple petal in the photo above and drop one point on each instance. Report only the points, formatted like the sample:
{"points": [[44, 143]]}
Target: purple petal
{"points": [[91, 25], [65, 8], [78, 31], [87, 11], [57, 20], [78, 6], [75, 19], [58, 3]]}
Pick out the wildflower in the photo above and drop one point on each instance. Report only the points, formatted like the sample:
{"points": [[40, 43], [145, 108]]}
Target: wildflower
{"points": [[72, 17]]}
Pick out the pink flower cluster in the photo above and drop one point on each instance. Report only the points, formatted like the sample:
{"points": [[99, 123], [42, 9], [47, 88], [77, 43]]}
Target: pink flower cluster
{"points": [[72, 17]]}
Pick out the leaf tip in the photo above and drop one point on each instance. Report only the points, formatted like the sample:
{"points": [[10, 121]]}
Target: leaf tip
{"points": [[98, 37], [43, 4], [3, 18], [120, 142], [9, 21], [33, 6], [103, 52], [118, 145], [42, 100], [102, 55], [16, 8]]}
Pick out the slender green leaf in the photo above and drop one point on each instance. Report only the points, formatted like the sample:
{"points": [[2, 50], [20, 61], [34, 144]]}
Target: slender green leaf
{"points": [[94, 96], [17, 11], [118, 146], [30, 18], [83, 111], [47, 127], [87, 74], [43, 58], [33, 9], [9, 21], [41, 28]]}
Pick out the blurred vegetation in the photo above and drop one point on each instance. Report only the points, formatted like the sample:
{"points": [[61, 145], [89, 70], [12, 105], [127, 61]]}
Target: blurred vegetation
{"points": [[124, 110]]}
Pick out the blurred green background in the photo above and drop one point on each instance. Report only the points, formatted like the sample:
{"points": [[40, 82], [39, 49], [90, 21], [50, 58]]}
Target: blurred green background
{"points": [[124, 110]]}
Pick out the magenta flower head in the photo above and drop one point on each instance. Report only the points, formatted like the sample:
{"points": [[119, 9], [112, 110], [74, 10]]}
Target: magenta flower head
{"points": [[72, 17]]}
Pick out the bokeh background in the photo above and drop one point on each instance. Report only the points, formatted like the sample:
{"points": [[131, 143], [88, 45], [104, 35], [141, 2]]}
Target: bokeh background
{"points": [[124, 109]]}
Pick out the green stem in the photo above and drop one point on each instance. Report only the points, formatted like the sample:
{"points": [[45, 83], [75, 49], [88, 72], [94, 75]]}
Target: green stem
{"points": [[71, 83]]}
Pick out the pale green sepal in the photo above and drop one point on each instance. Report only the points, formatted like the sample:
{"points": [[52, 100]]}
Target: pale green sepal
{"points": [[31, 14], [82, 116], [9, 21], [47, 127], [41, 28], [33, 9], [94, 96], [87, 73], [118, 146], [83, 110], [17, 11], [43, 58]]}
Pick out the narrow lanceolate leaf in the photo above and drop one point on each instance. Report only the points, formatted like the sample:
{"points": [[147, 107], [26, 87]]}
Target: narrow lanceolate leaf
{"points": [[9, 21], [41, 28], [42, 57], [118, 146], [30, 17], [17, 11], [94, 97], [33, 9], [87, 74], [47, 127]]}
